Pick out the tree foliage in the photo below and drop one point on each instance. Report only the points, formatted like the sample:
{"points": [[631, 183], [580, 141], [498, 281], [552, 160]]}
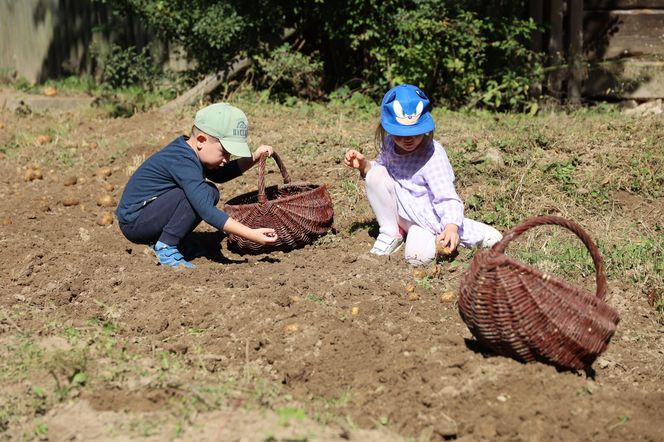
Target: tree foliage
{"points": [[462, 52]]}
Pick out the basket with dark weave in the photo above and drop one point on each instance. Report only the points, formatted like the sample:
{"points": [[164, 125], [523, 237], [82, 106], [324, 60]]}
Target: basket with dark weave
{"points": [[521, 312], [299, 212]]}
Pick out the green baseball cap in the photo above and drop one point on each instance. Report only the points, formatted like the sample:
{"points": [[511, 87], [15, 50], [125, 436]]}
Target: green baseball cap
{"points": [[227, 123]]}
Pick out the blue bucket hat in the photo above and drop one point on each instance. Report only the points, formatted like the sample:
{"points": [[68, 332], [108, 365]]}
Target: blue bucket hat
{"points": [[406, 111]]}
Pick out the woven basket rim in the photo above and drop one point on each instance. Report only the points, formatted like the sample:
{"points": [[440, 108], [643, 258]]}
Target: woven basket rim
{"points": [[313, 187]]}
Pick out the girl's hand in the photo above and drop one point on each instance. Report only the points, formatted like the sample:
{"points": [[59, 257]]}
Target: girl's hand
{"points": [[450, 237], [260, 150], [355, 160]]}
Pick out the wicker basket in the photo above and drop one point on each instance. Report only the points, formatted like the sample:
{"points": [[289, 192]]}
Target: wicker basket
{"points": [[521, 312], [299, 212]]}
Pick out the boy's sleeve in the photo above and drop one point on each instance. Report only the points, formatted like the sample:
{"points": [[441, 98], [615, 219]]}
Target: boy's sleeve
{"points": [[440, 178], [189, 177]]}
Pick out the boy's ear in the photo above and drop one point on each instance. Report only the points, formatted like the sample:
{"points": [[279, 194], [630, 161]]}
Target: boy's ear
{"points": [[201, 138]]}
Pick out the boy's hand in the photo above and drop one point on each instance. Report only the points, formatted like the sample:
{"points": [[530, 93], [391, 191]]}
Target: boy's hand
{"points": [[261, 235], [449, 238], [260, 150], [265, 236]]}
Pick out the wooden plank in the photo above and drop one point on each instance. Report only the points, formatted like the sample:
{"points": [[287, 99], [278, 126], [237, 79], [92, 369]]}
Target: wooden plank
{"points": [[622, 4], [625, 79], [536, 12], [556, 46], [575, 52], [615, 34]]}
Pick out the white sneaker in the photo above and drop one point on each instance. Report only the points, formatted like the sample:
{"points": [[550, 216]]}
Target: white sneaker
{"points": [[386, 245], [492, 237]]}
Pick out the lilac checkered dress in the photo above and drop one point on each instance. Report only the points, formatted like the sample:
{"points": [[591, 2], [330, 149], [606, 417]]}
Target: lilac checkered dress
{"points": [[424, 185]]}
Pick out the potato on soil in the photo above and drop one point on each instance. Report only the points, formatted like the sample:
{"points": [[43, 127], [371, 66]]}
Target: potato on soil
{"points": [[291, 328], [33, 174], [50, 91], [410, 287], [105, 219], [448, 296], [413, 296], [355, 311], [71, 180], [108, 187], [70, 200], [6, 221], [419, 273], [105, 201], [43, 139], [104, 172]]}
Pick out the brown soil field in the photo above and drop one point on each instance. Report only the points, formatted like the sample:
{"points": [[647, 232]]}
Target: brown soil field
{"points": [[321, 343]]}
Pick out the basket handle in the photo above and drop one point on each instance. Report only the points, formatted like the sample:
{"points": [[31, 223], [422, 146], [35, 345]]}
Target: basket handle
{"points": [[262, 199], [514, 232]]}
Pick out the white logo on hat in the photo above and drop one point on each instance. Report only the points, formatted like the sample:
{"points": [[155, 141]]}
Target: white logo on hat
{"points": [[407, 119]]}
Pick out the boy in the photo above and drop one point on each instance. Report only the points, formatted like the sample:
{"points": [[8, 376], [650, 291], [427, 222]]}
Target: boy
{"points": [[168, 195]]}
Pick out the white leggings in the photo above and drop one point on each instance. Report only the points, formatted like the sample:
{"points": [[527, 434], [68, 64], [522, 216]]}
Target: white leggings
{"points": [[420, 242]]}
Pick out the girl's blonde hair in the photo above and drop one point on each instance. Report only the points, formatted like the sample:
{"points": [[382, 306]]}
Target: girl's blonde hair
{"points": [[381, 133]]}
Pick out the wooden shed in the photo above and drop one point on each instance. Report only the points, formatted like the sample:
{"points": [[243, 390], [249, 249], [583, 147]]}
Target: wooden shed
{"points": [[602, 49]]}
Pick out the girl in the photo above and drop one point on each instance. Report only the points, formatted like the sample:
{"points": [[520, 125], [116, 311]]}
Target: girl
{"points": [[410, 185]]}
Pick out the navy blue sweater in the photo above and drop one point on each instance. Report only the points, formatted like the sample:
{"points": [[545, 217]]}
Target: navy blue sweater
{"points": [[176, 165]]}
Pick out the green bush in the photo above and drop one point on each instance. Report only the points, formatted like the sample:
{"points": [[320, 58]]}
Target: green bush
{"points": [[286, 72], [124, 68], [463, 53]]}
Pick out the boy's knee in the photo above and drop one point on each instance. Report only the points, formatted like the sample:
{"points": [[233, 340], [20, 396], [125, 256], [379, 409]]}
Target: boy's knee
{"points": [[214, 192]]}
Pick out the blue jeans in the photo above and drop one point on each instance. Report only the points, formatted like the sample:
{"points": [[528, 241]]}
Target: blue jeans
{"points": [[168, 219]]}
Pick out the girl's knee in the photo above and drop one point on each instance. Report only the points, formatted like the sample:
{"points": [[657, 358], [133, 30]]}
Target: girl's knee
{"points": [[419, 260], [376, 176]]}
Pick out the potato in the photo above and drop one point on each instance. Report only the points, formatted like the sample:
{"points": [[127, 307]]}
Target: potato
{"points": [[355, 311], [105, 201], [50, 91], [32, 174], [108, 187], [71, 180], [105, 219], [413, 296], [43, 139], [70, 200], [419, 273], [104, 172], [442, 251], [6, 221], [410, 287], [448, 296], [291, 328]]}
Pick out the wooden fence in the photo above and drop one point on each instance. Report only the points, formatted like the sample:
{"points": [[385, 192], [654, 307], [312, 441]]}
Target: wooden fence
{"points": [[42, 39], [602, 48]]}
